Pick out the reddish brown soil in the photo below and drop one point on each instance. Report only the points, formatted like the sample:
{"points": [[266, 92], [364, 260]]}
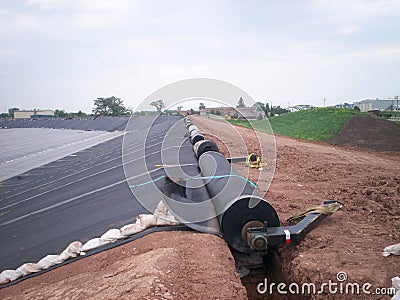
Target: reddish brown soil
{"points": [[369, 132], [351, 240], [163, 265]]}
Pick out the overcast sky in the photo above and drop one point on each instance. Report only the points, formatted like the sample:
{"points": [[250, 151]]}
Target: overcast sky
{"points": [[65, 53]]}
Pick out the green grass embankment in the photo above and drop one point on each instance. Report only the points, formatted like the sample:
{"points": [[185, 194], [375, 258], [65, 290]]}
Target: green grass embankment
{"points": [[316, 124]]}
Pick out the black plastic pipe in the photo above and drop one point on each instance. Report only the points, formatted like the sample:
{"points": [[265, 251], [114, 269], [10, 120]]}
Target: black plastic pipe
{"points": [[235, 199]]}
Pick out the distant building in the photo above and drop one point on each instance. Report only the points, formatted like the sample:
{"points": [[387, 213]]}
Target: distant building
{"points": [[344, 105], [239, 112], [381, 105], [300, 107], [36, 113]]}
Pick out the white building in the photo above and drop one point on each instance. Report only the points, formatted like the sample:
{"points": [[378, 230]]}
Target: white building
{"points": [[27, 114], [381, 105], [300, 107]]}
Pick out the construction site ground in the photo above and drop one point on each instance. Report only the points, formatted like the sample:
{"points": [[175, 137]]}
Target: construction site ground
{"points": [[189, 265]]}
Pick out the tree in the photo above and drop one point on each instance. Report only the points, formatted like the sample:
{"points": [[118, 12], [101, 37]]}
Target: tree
{"points": [[110, 106], [241, 103], [278, 110], [179, 108], [267, 110], [259, 106], [201, 105], [159, 105], [80, 114], [63, 114], [60, 113]]}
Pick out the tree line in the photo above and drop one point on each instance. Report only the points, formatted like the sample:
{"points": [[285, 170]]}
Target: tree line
{"points": [[114, 106]]}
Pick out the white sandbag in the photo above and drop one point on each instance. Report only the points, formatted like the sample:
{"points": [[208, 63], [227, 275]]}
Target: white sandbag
{"points": [[28, 268], [73, 250], [48, 261], [396, 285], [392, 249], [167, 219], [164, 216], [161, 209], [111, 235], [131, 229], [147, 221], [93, 244], [138, 222], [9, 275]]}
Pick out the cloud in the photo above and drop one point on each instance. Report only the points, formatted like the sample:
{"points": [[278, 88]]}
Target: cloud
{"points": [[80, 49], [356, 9], [348, 30], [27, 21], [48, 5]]}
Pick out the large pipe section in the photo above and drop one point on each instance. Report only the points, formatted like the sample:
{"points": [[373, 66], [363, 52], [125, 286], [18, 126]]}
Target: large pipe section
{"points": [[204, 146], [236, 202]]}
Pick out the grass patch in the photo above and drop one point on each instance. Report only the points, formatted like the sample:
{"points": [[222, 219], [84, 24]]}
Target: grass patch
{"points": [[316, 124]]}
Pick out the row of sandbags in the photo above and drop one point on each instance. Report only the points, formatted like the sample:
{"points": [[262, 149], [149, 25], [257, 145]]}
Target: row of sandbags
{"points": [[161, 217]]}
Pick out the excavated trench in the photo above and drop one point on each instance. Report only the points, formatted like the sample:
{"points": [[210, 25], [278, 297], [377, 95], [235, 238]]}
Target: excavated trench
{"points": [[272, 269], [271, 272], [261, 283]]}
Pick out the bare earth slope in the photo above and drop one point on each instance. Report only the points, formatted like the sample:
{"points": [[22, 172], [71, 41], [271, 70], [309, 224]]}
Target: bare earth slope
{"points": [[369, 132], [351, 240]]}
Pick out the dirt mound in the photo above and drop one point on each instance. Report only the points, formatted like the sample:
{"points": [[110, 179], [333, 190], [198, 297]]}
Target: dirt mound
{"points": [[369, 132]]}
